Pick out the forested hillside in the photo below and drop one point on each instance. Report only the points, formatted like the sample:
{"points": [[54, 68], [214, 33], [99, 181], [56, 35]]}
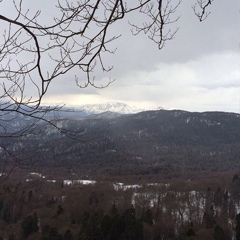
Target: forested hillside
{"points": [[152, 141]]}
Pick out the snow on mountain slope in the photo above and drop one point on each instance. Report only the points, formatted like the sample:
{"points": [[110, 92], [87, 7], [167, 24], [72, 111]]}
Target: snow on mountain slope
{"points": [[116, 107]]}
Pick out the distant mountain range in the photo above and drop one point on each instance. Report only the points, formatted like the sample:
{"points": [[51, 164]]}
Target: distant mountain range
{"points": [[106, 110], [155, 140], [115, 107]]}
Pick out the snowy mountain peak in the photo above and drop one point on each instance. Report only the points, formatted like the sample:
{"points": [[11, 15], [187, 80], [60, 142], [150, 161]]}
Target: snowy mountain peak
{"points": [[116, 107]]}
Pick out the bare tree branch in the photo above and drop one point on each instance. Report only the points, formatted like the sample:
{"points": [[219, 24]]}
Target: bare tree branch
{"points": [[203, 5], [34, 53], [159, 14]]}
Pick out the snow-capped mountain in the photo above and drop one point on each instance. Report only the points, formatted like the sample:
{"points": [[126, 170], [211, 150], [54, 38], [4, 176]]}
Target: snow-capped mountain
{"points": [[115, 107]]}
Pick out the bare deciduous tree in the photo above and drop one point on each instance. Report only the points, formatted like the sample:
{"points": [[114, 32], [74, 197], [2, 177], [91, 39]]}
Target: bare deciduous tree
{"points": [[202, 14], [36, 51]]}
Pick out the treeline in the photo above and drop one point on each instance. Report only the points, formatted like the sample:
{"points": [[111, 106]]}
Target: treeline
{"points": [[93, 226]]}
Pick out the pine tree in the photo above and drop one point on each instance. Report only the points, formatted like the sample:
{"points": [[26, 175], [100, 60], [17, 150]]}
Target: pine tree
{"points": [[68, 235], [29, 225], [190, 234], [133, 227], [208, 219], [59, 210], [30, 195], [147, 217], [219, 233], [237, 229]]}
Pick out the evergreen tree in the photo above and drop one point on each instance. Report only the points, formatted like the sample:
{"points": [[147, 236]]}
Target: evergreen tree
{"points": [[237, 229], [113, 211], [68, 235], [90, 229], [235, 178], [6, 213], [219, 233], [51, 233], [45, 229], [147, 217], [113, 224], [208, 219], [133, 227], [12, 237], [106, 226], [1, 206], [29, 225], [235, 187], [30, 195], [35, 222], [59, 210], [190, 234]]}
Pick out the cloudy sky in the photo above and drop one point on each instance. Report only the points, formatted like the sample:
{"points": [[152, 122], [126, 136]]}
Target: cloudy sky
{"points": [[197, 71]]}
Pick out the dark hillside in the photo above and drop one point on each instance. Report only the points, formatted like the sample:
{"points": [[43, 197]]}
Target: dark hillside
{"points": [[160, 139]]}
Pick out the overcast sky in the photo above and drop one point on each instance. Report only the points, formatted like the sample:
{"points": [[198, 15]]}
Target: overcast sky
{"points": [[197, 71]]}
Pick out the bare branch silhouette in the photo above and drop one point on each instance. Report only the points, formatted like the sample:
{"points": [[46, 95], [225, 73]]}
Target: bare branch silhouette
{"points": [[203, 5], [159, 14], [35, 52]]}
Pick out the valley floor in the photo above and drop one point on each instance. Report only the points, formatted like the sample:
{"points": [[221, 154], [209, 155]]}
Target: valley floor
{"points": [[59, 203]]}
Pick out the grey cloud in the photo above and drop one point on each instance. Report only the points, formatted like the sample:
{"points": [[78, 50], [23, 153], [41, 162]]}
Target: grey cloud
{"points": [[218, 33], [198, 70]]}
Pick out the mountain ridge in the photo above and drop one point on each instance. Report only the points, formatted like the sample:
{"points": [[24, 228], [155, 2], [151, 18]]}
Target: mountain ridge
{"points": [[115, 107], [185, 140], [155, 139]]}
